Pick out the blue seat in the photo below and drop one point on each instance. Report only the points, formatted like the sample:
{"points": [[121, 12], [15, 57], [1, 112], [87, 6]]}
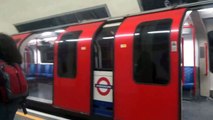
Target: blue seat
{"points": [[31, 72], [32, 69], [48, 72], [40, 70], [188, 78]]}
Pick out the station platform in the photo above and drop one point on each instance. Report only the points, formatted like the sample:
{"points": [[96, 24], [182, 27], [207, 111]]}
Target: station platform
{"points": [[36, 115], [197, 109], [192, 109]]}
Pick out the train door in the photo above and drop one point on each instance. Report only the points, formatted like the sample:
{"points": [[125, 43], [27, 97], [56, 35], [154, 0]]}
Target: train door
{"points": [[103, 68], [72, 73], [146, 74]]}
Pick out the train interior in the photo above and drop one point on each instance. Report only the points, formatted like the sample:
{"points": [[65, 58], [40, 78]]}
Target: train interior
{"points": [[38, 64], [187, 56], [196, 62], [196, 53]]}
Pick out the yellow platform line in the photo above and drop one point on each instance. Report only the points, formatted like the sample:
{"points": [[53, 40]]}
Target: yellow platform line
{"points": [[29, 116]]}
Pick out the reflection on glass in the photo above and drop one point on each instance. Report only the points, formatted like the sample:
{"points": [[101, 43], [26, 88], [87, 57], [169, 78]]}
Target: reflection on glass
{"points": [[151, 52], [67, 53]]}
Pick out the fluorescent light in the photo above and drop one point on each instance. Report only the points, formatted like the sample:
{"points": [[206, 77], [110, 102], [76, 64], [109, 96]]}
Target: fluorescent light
{"points": [[46, 33], [156, 32], [81, 39], [136, 34], [60, 31], [45, 39], [35, 40], [50, 39], [124, 35], [111, 25], [174, 30], [106, 38], [59, 41], [206, 10]]}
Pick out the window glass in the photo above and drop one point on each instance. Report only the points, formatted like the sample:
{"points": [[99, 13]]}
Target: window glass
{"points": [[67, 54], [46, 54], [104, 48], [210, 37], [156, 4], [151, 52]]}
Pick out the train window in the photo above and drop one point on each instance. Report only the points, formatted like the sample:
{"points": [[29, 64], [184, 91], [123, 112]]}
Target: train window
{"points": [[67, 48], [103, 47], [151, 52], [46, 54], [156, 4], [210, 37]]}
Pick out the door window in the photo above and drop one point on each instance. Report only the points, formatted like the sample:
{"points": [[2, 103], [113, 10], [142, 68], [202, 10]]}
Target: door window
{"points": [[67, 54], [104, 47], [151, 52], [210, 37]]}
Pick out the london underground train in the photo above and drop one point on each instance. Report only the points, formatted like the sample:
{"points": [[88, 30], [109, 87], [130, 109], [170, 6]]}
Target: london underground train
{"points": [[129, 68]]}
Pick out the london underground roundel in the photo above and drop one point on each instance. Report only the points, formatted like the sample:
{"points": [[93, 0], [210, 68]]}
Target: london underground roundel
{"points": [[103, 86]]}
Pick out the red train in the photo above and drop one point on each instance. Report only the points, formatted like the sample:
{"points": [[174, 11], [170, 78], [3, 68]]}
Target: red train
{"points": [[127, 68]]}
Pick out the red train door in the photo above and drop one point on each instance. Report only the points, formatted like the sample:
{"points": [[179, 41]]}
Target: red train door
{"points": [[146, 73], [72, 73]]}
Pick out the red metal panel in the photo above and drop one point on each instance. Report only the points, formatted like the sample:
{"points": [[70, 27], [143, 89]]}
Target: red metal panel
{"points": [[20, 37], [74, 94], [142, 101]]}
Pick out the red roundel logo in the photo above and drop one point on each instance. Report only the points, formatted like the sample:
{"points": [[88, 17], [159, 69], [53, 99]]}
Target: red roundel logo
{"points": [[103, 86]]}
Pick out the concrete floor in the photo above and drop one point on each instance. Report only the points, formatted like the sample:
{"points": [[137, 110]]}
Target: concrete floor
{"points": [[36, 115], [197, 109], [192, 109]]}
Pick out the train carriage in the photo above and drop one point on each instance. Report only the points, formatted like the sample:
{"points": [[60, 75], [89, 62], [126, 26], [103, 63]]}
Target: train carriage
{"points": [[129, 68]]}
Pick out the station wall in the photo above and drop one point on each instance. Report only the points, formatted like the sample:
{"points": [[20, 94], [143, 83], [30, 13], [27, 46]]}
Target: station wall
{"points": [[13, 11]]}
